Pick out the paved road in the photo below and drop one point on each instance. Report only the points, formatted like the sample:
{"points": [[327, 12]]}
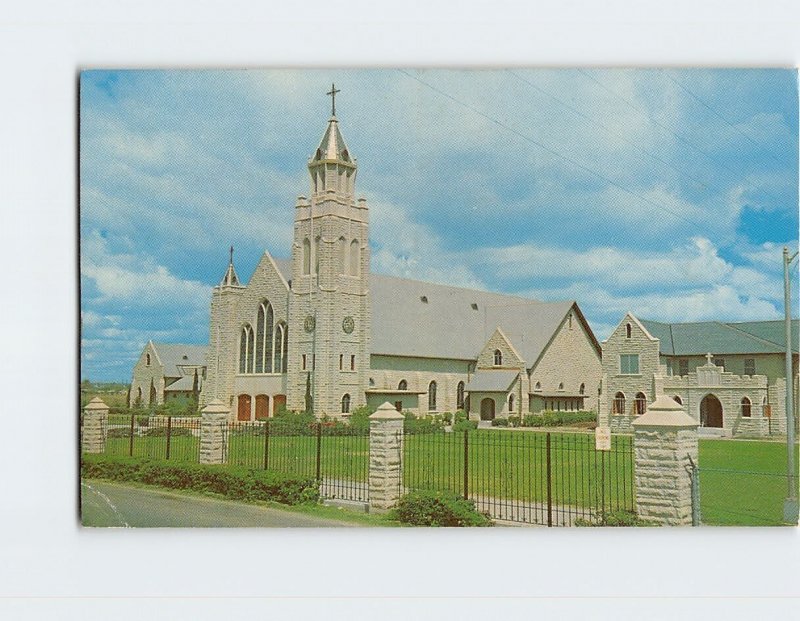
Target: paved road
{"points": [[113, 504]]}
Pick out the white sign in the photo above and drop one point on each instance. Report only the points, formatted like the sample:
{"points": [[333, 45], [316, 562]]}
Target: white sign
{"points": [[602, 439]]}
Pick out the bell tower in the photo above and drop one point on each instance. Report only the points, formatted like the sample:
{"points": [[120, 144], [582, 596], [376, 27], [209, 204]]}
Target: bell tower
{"points": [[329, 304]]}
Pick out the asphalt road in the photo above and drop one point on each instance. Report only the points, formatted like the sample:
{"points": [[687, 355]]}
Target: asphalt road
{"points": [[113, 504]]}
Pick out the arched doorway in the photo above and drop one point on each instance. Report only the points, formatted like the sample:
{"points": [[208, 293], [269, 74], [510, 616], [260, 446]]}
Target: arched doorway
{"points": [[262, 407], [710, 412], [243, 409], [487, 409]]}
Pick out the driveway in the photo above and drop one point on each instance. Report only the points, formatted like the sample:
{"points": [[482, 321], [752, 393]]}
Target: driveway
{"points": [[115, 504]]}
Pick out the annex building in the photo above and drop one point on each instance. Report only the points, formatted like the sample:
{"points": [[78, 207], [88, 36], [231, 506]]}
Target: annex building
{"points": [[321, 332], [728, 376]]}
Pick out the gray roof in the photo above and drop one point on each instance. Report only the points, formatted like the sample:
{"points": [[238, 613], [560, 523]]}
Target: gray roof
{"points": [[447, 325], [185, 384], [693, 339], [332, 145], [172, 355], [491, 380]]}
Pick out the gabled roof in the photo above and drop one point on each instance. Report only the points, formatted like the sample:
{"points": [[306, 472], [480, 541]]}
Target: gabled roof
{"points": [[173, 355], [700, 338], [452, 322], [491, 380], [185, 384]]}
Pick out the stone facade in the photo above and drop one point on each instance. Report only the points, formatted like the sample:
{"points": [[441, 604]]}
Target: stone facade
{"points": [[385, 457], [166, 371], [214, 433], [147, 384], [95, 427], [665, 446]]}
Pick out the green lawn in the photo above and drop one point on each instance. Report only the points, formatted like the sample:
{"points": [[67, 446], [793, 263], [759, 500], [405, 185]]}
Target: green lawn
{"points": [[741, 482]]}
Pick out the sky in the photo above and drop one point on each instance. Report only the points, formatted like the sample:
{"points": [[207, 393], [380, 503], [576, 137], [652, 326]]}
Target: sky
{"points": [[666, 192]]}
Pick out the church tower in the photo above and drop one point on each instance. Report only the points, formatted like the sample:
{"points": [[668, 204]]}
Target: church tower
{"points": [[329, 304]]}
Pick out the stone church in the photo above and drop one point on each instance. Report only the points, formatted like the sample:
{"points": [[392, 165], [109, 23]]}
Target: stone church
{"points": [[321, 332]]}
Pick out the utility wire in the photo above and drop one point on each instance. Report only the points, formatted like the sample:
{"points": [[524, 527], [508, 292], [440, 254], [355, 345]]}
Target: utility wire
{"points": [[680, 138], [552, 151]]}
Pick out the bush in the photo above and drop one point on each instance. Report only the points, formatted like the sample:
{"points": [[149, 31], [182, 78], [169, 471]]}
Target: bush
{"points": [[229, 481], [499, 422], [359, 418], [558, 419], [287, 423], [162, 432], [514, 421], [615, 518], [465, 425], [459, 416], [447, 417], [438, 509], [431, 423]]}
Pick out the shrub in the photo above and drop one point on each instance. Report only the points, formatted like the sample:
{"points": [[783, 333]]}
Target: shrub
{"points": [[447, 417], [465, 425], [288, 423], [438, 509], [499, 422], [615, 518], [233, 482], [558, 419], [514, 421], [459, 416], [422, 424], [162, 432]]}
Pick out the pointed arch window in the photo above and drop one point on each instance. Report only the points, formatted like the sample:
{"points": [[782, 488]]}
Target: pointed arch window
{"points": [[262, 356], [582, 389], [640, 403], [306, 256], [246, 342], [147, 360], [403, 385], [342, 255], [432, 397], [538, 386], [511, 403], [279, 348], [346, 404], [317, 244], [746, 407], [498, 358], [355, 257], [460, 396], [618, 406], [628, 330]]}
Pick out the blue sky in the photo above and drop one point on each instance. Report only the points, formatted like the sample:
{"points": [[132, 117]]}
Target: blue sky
{"points": [[669, 193]]}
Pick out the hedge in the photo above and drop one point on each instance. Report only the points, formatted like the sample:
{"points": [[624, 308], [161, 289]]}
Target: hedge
{"points": [[230, 481], [615, 518], [427, 508]]}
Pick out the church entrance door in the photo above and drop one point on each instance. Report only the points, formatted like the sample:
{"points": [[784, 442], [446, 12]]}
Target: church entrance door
{"points": [[710, 412], [487, 409], [243, 408], [262, 407]]}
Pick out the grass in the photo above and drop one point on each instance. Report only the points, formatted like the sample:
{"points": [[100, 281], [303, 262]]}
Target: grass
{"points": [[742, 483], [512, 465]]}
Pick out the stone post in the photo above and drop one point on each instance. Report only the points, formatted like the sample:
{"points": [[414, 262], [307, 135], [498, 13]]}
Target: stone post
{"points": [[214, 433], [385, 458], [665, 438], [95, 427]]}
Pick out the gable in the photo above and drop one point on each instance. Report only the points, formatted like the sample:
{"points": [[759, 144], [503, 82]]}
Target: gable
{"points": [[510, 358]]}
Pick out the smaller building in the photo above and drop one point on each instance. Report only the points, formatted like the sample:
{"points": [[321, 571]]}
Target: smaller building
{"points": [[167, 371], [728, 376]]}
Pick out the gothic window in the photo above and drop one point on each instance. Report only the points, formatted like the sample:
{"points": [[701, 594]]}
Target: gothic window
{"points": [[432, 397], [316, 254], [510, 403], [355, 256], [561, 386], [263, 339], [640, 403], [627, 330], [570, 321], [280, 348], [259, 353], [246, 350], [498, 357], [749, 366], [746, 409], [460, 396], [352, 363], [305, 362], [147, 360], [403, 385], [341, 362], [618, 406], [346, 404], [629, 364], [284, 348], [582, 389], [538, 386], [153, 398], [342, 255], [306, 256]]}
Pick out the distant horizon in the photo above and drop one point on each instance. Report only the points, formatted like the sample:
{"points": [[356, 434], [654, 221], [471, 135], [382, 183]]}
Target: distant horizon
{"points": [[668, 193]]}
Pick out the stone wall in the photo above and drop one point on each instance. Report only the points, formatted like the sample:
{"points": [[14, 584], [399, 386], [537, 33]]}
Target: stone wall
{"points": [[144, 374], [510, 357]]}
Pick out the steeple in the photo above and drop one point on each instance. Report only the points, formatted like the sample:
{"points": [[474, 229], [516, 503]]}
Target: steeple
{"points": [[332, 168], [230, 279]]}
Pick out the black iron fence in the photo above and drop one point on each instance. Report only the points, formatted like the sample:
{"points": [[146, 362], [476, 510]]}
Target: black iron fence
{"points": [[335, 454], [542, 478]]}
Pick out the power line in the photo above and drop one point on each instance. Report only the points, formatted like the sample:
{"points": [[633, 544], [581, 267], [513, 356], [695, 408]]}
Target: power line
{"points": [[720, 116], [680, 138], [552, 151]]}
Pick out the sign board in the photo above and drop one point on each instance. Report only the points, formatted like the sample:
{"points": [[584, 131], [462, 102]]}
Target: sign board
{"points": [[602, 439]]}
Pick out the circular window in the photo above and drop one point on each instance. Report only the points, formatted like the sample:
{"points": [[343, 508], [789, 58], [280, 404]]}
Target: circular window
{"points": [[348, 325], [309, 323]]}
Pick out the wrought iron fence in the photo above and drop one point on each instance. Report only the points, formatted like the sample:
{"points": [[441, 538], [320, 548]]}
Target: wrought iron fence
{"points": [[524, 476], [155, 437]]}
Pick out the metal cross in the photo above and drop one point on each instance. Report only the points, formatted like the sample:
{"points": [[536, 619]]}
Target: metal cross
{"points": [[332, 94], [231, 255]]}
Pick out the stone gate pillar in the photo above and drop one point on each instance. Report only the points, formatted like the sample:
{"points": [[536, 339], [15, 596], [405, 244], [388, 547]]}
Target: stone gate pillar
{"points": [[95, 427], [665, 438], [385, 458], [214, 433]]}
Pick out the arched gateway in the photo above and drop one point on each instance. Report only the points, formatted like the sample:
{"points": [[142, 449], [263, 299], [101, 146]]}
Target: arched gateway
{"points": [[487, 409], [710, 412]]}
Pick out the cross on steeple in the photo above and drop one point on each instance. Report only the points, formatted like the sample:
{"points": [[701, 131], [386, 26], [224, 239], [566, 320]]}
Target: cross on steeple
{"points": [[709, 357], [231, 259], [332, 94]]}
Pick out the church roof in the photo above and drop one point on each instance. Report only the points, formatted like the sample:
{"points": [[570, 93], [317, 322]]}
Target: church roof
{"points": [[332, 145], [425, 320], [185, 384], [173, 355], [491, 380], [697, 339]]}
